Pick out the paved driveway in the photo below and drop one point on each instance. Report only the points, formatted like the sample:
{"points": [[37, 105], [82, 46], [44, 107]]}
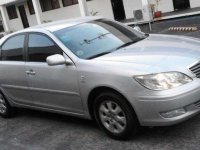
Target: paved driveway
{"points": [[33, 130]]}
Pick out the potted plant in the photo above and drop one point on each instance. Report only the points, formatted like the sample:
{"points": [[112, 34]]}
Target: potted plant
{"points": [[157, 13], [152, 6], [93, 13]]}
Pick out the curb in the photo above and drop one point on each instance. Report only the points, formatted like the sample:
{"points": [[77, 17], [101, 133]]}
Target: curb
{"points": [[183, 29]]}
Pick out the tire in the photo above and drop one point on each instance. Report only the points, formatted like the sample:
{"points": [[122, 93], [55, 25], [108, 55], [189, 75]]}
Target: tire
{"points": [[6, 111], [115, 116]]}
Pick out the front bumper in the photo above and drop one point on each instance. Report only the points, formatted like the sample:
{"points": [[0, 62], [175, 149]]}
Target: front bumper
{"points": [[149, 107]]}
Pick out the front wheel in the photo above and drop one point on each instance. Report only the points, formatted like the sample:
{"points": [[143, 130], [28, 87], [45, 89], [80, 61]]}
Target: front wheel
{"points": [[115, 116]]}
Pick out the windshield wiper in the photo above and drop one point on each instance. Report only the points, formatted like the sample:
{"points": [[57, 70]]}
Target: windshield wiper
{"points": [[86, 41], [98, 55], [127, 44]]}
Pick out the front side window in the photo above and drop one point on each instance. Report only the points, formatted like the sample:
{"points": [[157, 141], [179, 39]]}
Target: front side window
{"points": [[40, 47], [95, 38], [12, 49]]}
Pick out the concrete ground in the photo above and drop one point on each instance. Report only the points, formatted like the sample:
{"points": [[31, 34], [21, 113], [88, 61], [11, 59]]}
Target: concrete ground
{"points": [[163, 26], [35, 130]]}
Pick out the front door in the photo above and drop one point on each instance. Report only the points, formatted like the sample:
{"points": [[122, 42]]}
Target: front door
{"points": [[52, 87], [118, 9], [23, 16], [181, 4]]}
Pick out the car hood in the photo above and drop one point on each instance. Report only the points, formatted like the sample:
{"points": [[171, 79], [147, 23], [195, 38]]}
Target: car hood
{"points": [[159, 50]]}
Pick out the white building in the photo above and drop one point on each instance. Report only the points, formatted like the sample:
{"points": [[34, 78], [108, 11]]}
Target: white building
{"points": [[19, 14], [172, 5]]}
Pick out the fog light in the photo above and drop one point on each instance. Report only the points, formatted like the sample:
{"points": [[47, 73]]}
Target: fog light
{"points": [[174, 113]]}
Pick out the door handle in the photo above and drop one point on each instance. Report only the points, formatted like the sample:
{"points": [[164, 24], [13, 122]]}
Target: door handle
{"points": [[30, 72]]}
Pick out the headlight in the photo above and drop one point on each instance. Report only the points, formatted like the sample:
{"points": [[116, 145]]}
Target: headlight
{"points": [[163, 81]]}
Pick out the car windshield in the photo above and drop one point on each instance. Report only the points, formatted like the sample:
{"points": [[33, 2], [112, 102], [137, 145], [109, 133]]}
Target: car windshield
{"points": [[96, 38]]}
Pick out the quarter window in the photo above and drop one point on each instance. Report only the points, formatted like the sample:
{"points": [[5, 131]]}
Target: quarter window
{"points": [[12, 49], [40, 47]]}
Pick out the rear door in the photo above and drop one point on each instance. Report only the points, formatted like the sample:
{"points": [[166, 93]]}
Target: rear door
{"points": [[52, 87], [12, 70]]}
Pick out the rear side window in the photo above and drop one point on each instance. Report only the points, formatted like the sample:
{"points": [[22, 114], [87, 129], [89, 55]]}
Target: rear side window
{"points": [[12, 49], [40, 47]]}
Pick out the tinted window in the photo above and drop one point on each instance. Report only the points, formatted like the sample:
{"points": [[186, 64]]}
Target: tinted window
{"points": [[40, 47], [12, 49]]}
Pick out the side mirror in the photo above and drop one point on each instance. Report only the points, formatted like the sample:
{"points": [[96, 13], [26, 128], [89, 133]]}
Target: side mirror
{"points": [[57, 59]]}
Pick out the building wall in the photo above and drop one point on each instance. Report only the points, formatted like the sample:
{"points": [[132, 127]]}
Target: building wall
{"points": [[15, 24], [164, 5], [167, 5], [2, 2], [130, 6], [103, 7], [52, 15], [194, 3]]}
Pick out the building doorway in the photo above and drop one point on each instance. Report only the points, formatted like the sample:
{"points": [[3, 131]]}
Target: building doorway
{"points": [[118, 9], [181, 4], [23, 16]]}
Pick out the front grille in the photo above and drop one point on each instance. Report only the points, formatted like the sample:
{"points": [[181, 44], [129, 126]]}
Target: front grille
{"points": [[196, 69]]}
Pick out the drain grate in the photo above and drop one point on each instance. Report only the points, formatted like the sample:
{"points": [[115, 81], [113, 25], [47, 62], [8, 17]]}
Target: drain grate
{"points": [[183, 28]]}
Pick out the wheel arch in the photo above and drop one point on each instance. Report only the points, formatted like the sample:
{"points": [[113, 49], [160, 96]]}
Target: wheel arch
{"points": [[9, 101], [98, 90]]}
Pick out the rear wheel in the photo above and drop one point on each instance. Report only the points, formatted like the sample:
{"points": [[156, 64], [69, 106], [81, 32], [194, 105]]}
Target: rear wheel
{"points": [[6, 111], [115, 116]]}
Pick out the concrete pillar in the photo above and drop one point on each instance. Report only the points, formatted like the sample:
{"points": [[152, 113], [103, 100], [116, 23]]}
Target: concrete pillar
{"points": [[37, 8], [145, 2], [83, 8], [4, 18]]}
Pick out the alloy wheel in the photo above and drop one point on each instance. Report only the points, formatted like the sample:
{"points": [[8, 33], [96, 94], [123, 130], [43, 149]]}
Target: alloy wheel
{"points": [[3, 106], [112, 117]]}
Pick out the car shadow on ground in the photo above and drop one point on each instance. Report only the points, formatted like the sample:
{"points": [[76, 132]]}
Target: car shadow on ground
{"points": [[54, 117], [185, 129]]}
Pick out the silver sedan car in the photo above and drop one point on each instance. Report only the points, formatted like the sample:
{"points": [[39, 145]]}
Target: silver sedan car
{"points": [[96, 68]]}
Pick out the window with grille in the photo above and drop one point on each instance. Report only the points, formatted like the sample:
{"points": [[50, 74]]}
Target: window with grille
{"points": [[47, 5], [30, 6], [12, 12]]}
